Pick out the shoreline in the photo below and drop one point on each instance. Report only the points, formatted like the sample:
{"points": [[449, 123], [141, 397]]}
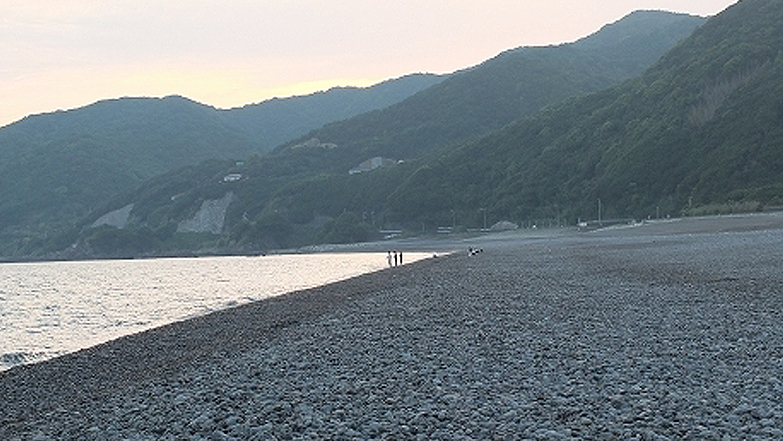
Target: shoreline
{"points": [[119, 298], [666, 329], [446, 243]]}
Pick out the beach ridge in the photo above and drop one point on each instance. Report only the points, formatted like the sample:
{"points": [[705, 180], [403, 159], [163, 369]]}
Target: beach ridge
{"points": [[665, 332]]}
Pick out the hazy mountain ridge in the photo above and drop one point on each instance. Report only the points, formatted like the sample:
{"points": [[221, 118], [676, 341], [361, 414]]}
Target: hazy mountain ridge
{"points": [[700, 128], [53, 173], [57, 167], [494, 93], [699, 132], [277, 121], [286, 199]]}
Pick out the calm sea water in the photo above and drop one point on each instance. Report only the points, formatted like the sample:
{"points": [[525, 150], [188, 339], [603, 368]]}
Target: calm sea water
{"points": [[49, 309]]}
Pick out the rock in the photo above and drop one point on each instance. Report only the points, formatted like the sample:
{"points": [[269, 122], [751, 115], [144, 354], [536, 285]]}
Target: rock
{"points": [[611, 336]]}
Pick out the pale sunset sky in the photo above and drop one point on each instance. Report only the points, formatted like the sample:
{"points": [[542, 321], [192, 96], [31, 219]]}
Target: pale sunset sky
{"points": [[62, 54]]}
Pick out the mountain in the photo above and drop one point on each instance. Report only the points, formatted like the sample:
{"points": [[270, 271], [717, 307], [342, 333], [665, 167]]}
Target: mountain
{"points": [[302, 193], [56, 168], [276, 121], [486, 97], [147, 135], [700, 132]]}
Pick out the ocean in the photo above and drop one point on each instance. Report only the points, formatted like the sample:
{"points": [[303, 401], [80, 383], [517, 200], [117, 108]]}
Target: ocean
{"points": [[49, 309]]}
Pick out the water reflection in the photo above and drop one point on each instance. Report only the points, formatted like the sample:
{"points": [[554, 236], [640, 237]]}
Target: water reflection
{"points": [[48, 309]]}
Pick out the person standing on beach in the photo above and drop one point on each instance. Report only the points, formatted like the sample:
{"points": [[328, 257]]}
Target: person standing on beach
{"points": [[400, 257], [395, 258], [389, 258]]}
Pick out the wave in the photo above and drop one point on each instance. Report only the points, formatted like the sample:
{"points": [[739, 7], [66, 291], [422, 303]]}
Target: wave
{"points": [[12, 359]]}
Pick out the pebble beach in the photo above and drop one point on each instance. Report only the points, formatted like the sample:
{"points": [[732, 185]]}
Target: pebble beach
{"points": [[664, 331]]}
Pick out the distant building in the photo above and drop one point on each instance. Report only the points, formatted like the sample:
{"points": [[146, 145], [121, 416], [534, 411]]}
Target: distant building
{"points": [[372, 164], [315, 143]]}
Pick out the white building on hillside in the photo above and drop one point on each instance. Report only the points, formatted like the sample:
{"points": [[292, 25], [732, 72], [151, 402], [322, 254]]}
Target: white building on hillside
{"points": [[372, 164]]}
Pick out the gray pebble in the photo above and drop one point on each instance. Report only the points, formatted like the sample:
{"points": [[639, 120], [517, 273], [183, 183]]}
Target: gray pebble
{"points": [[605, 336]]}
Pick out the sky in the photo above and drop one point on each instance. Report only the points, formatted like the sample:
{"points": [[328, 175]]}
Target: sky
{"points": [[63, 54]]}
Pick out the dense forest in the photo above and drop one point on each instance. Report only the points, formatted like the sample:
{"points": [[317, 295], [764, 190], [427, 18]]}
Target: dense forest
{"points": [[277, 121], [57, 168], [302, 192], [699, 132], [514, 84]]}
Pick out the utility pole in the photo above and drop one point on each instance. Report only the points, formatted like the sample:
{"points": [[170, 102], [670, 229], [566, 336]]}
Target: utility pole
{"points": [[599, 212]]}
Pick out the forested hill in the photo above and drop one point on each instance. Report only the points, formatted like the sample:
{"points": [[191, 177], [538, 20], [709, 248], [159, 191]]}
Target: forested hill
{"points": [[699, 132], [161, 134], [276, 121], [486, 97], [303, 193], [145, 136], [55, 168]]}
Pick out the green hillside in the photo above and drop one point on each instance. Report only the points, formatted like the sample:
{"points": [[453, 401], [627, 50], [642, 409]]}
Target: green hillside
{"points": [[56, 168], [303, 194], [147, 135], [277, 121], [486, 97], [700, 132]]}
